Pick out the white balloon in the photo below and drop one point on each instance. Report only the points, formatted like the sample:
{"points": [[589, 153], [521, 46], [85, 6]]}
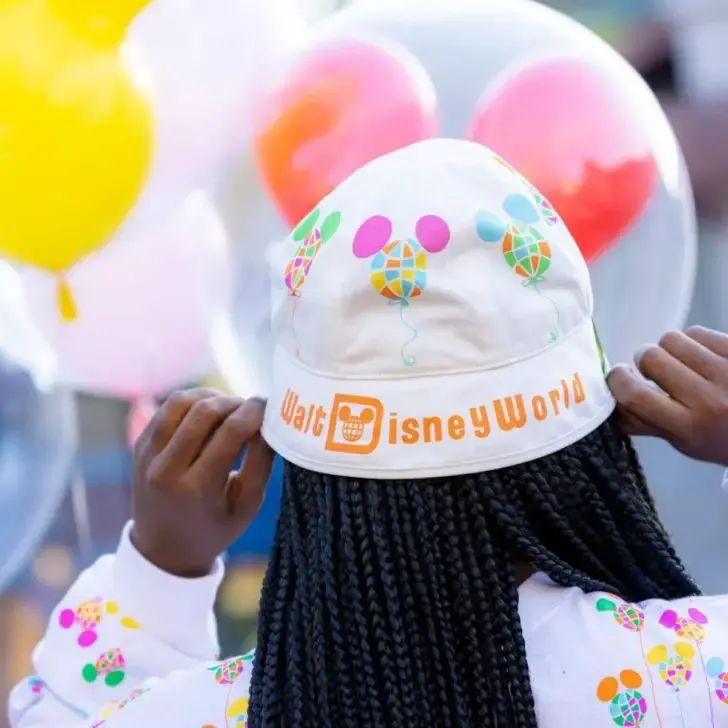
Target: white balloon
{"points": [[146, 306], [37, 433], [206, 62], [252, 224]]}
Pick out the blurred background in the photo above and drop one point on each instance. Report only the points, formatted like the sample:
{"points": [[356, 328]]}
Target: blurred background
{"points": [[73, 398]]}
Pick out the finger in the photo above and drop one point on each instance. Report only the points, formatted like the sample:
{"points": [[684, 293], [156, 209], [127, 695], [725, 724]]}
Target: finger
{"points": [[224, 449], [167, 419], [639, 400], [195, 432], [631, 425], [694, 355], [246, 488], [672, 376], [716, 341]]}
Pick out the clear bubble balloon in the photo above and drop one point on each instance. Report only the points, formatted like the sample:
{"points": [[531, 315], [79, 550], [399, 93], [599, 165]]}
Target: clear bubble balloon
{"points": [[37, 433], [540, 89]]}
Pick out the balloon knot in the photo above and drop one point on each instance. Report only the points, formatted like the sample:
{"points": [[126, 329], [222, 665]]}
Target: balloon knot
{"points": [[66, 303]]}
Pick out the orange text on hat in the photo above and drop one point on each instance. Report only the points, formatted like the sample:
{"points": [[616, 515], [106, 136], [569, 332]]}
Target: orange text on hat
{"points": [[358, 424]]}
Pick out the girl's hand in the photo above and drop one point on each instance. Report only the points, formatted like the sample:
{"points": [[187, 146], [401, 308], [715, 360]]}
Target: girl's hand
{"points": [[691, 412], [189, 505]]}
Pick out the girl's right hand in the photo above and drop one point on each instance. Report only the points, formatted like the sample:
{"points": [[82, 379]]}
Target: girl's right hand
{"points": [[190, 504], [691, 412]]}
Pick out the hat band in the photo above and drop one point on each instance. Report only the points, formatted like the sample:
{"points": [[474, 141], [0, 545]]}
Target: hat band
{"points": [[439, 425]]}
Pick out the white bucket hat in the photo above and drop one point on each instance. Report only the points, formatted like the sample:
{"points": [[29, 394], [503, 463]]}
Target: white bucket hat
{"points": [[432, 317]]}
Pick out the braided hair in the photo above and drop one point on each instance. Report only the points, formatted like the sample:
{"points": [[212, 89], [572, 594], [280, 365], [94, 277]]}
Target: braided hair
{"points": [[394, 603]]}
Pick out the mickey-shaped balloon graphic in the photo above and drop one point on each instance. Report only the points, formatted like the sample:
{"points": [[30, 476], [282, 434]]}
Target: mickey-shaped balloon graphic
{"points": [[88, 616], [692, 627], [626, 615], [228, 671], [110, 665], [627, 707], [311, 238], [525, 250], [76, 131], [716, 671], [546, 209], [399, 266], [674, 667]]}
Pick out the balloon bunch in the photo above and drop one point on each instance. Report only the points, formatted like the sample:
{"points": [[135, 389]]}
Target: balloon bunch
{"points": [[113, 118]]}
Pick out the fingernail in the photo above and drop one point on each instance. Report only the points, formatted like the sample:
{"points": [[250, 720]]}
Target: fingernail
{"points": [[640, 353]]}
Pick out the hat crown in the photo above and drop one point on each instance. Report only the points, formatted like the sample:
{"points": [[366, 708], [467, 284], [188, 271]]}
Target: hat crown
{"points": [[436, 258]]}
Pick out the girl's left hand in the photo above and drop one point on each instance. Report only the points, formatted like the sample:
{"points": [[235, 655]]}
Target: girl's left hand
{"points": [[691, 412]]}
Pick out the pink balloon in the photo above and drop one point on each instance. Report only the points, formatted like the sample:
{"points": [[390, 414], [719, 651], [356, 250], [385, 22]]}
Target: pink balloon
{"points": [[346, 103], [146, 306], [372, 236], [433, 233]]}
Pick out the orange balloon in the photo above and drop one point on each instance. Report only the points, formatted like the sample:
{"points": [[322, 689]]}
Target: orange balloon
{"points": [[570, 129], [344, 105]]}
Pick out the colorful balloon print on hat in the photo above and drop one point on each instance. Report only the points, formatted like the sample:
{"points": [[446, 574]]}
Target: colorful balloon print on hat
{"points": [[545, 210], [310, 238], [398, 270], [627, 707], [525, 250]]}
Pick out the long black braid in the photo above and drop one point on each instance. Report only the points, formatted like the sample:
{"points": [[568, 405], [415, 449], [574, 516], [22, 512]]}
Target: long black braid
{"points": [[395, 603]]}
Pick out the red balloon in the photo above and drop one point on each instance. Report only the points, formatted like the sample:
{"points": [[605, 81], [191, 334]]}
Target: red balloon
{"points": [[345, 104], [572, 132]]}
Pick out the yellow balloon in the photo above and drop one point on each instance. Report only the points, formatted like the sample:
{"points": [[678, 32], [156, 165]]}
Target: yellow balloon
{"points": [[76, 131]]}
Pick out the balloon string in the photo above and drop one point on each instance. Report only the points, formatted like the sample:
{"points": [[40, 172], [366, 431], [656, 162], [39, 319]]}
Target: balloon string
{"points": [[293, 326], [553, 335], [408, 361]]}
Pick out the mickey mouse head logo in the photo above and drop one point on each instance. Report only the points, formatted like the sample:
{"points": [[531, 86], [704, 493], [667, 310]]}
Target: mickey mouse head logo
{"points": [[627, 707], [691, 627], [110, 666], [675, 667], [353, 426], [87, 617], [399, 266]]}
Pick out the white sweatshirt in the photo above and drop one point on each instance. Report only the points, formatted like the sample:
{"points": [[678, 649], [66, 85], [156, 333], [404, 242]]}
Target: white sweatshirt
{"points": [[132, 647]]}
